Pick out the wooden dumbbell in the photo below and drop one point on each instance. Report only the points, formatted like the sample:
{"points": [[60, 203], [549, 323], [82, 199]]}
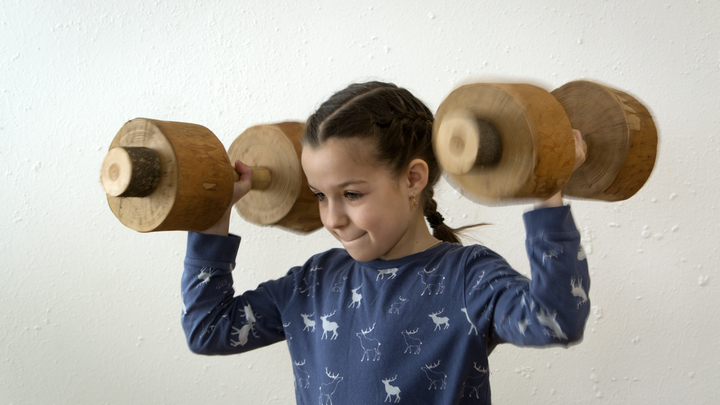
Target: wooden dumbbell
{"points": [[163, 176], [503, 142]]}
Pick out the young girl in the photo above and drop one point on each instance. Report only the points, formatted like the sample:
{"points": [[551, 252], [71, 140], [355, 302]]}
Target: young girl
{"points": [[399, 315]]}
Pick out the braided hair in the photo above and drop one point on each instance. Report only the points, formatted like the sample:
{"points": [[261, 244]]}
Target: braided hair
{"points": [[397, 122]]}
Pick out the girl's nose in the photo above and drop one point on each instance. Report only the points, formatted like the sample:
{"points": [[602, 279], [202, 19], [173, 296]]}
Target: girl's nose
{"points": [[335, 216]]}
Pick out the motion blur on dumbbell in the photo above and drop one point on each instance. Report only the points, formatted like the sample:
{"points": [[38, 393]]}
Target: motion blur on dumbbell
{"points": [[498, 143]]}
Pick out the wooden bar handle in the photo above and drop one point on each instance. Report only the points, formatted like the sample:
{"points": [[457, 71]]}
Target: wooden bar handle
{"points": [[130, 171], [260, 179], [465, 141]]}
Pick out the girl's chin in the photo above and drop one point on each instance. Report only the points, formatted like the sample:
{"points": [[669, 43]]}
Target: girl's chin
{"points": [[360, 251]]}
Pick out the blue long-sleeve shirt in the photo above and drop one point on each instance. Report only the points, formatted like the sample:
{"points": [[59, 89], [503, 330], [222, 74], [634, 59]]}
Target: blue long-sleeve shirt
{"points": [[413, 330]]}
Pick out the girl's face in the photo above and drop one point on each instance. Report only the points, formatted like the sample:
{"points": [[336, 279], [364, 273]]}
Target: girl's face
{"points": [[369, 211]]}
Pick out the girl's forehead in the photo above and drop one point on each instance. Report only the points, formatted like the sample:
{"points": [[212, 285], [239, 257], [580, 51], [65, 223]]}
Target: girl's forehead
{"points": [[351, 150], [337, 160]]}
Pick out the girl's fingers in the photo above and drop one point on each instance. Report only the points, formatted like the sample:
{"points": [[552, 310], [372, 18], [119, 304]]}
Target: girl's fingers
{"points": [[580, 148], [242, 186]]}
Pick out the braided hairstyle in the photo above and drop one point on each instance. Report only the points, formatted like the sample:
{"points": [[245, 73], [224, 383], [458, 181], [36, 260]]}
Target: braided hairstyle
{"points": [[397, 122]]}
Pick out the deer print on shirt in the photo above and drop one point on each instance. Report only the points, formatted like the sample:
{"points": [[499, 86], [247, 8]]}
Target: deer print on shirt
{"points": [[370, 346], [381, 274], [356, 298], [438, 379], [310, 282], [522, 325], [244, 332], [552, 252], [577, 291], [309, 323], [433, 282], [549, 322], [328, 389], [329, 327], [477, 287], [412, 344], [440, 320], [395, 307], [337, 287], [205, 276], [302, 377], [472, 325], [474, 381], [391, 390]]}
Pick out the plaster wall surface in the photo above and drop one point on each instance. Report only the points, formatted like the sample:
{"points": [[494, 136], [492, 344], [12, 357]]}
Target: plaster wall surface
{"points": [[89, 309]]}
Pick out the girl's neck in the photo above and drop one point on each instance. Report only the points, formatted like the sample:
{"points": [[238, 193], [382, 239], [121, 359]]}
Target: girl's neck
{"points": [[417, 239]]}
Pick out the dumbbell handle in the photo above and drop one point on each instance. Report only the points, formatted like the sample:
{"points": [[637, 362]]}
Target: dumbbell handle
{"points": [[261, 178], [467, 141]]}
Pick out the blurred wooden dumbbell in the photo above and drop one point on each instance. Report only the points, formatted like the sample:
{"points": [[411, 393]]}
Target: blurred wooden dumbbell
{"points": [[499, 142], [163, 176]]}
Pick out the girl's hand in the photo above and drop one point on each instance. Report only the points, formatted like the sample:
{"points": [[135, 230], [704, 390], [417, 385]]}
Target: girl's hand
{"points": [[580, 151], [240, 188]]}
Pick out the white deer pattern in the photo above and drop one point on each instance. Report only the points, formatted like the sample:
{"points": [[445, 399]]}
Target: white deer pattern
{"points": [[472, 325], [477, 287], [391, 390], [474, 381], [302, 377], [329, 326], [310, 281], [381, 274], [369, 345], [440, 320], [205, 276], [552, 253], [412, 344], [244, 332], [432, 282], [309, 323], [549, 321], [438, 379], [328, 389], [356, 298], [577, 291], [395, 307]]}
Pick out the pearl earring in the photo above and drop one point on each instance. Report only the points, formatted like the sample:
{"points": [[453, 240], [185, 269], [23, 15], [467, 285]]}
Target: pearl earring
{"points": [[415, 203]]}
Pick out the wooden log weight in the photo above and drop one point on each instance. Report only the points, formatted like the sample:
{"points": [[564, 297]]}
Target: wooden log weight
{"points": [[621, 140], [503, 142], [163, 176], [287, 201]]}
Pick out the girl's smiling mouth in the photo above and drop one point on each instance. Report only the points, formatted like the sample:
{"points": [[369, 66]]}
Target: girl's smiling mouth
{"points": [[353, 239]]}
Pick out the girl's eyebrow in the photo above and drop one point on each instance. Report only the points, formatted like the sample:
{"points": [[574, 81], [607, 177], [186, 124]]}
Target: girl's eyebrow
{"points": [[343, 184]]}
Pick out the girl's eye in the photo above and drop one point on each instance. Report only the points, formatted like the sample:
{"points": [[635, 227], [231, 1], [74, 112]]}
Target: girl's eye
{"points": [[320, 196], [352, 196]]}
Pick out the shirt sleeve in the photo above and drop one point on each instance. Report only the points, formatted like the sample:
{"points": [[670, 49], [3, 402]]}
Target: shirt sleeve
{"points": [[552, 307], [214, 320]]}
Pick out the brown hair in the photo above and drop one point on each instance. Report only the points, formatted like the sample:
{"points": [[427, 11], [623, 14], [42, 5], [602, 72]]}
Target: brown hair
{"points": [[397, 122]]}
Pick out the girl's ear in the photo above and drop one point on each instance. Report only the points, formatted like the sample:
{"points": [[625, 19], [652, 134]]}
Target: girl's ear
{"points": [[417, 176]]}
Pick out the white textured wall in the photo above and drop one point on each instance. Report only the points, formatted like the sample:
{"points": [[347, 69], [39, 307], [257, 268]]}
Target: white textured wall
{"points": [[89, 310]]}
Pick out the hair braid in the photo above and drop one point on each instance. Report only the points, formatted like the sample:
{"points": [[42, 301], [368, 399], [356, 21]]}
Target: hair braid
{"points": [[436, 221]]}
